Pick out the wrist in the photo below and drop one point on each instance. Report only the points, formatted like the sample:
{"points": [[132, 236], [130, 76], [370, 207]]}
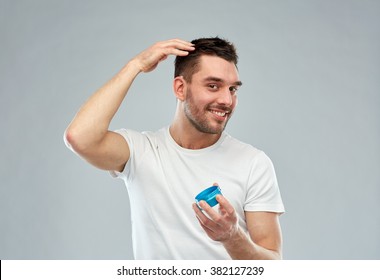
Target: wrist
{"points": [[235, 236], [132, 67]]}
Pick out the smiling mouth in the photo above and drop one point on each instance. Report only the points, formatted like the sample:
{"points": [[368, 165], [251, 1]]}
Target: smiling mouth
{"points": [[220, 113]]}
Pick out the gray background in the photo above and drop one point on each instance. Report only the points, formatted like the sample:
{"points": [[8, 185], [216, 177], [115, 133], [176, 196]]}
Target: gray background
{"points": [[310, 100]]}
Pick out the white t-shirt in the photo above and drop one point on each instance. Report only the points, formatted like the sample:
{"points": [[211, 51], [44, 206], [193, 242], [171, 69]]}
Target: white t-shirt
{"points": [[163, 179]]}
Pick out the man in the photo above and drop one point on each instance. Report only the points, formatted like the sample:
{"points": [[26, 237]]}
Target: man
{"points": [[165, 170]]}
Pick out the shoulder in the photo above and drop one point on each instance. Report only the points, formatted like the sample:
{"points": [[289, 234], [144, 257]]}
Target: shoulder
{"points": [[130, 133], [239, 146], [247, 151], [136, 138]]}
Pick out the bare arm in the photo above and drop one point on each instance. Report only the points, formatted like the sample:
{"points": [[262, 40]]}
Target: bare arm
{"points": [[88, 134], [263, 242]]}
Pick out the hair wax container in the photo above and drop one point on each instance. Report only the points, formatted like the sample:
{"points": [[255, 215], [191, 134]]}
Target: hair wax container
{"points": [[208, 195]]}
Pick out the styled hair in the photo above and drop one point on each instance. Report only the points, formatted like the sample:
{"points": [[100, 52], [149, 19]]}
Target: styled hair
{"points": [[188, 65]]}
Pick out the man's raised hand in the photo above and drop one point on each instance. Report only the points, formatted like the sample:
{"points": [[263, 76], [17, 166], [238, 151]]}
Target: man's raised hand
{"points": [[148, 60]]}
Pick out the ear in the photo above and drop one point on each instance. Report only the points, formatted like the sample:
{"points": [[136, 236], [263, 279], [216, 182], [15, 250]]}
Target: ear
{"points": [[179, 87]]}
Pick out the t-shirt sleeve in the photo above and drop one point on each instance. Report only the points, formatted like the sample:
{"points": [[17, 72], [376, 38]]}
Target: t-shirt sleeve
{"points": [[263, 193], [137, 143]]}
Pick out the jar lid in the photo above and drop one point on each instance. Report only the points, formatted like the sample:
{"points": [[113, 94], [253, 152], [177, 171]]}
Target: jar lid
{"points": [[208, 195]]}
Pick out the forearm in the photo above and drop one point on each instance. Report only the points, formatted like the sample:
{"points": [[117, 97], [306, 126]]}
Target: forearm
{"points": [[241, 247], [91, 123]]}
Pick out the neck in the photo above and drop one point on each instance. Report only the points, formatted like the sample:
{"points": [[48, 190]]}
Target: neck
{"points": [[188, 137]]}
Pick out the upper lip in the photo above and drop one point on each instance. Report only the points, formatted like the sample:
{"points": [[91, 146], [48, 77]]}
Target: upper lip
{"points": [[222, 110], [221, 113]]}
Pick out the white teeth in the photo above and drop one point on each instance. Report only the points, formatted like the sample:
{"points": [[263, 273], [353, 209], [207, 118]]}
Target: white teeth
{"points": [[222, 114]]}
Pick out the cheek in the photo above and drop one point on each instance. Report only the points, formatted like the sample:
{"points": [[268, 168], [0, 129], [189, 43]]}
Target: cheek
{"points": [[234, 101], [201, 100]]}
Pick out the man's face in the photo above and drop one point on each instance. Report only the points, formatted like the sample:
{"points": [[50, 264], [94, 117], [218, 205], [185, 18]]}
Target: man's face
{"points": [[211, 95]]}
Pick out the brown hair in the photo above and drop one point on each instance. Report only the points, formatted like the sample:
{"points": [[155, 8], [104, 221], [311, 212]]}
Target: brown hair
{"points": [[186, 66]]}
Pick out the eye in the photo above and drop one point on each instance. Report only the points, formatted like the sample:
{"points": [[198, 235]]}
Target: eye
{"points": [[233, 89], [213, 86]]}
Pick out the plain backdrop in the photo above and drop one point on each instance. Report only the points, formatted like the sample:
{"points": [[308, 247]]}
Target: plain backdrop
{"points": [[310, 100]]}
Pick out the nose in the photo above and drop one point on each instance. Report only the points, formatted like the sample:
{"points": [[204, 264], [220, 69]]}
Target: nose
{"points": [[225, 97]]}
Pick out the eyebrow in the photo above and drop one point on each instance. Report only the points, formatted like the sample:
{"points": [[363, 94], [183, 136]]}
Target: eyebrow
{"points": [[219, 80]]}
